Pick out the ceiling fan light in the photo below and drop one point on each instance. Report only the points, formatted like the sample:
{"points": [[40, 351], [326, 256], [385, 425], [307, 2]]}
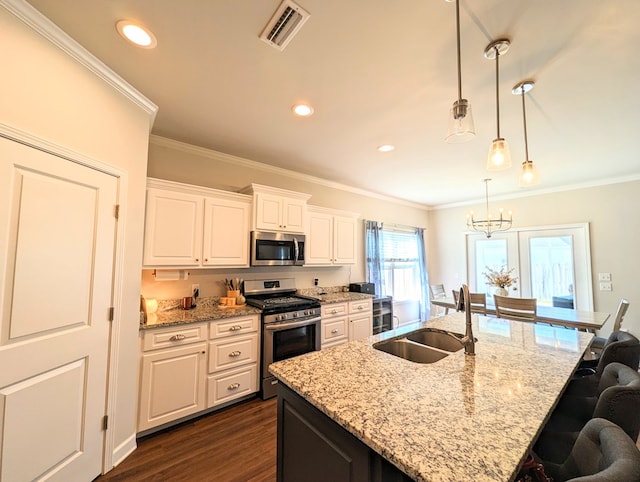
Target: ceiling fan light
{"points": [[528, 174], [461, 127], [499, 156]]}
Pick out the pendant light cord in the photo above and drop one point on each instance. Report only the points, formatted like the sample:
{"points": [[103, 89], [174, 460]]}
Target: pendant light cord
{"points": [[524, 121], [497, 92], [458, 45]]}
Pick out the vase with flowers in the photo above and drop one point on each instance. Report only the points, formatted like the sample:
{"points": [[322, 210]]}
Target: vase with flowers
{"points": [[500, 279]]}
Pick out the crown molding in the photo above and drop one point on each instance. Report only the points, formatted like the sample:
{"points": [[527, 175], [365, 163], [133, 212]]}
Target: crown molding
{"points": [[51, 32], [242, 162], [542, 192]]}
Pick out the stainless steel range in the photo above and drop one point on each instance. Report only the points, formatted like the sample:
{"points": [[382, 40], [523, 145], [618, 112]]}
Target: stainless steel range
{"points": [[290, 324]]}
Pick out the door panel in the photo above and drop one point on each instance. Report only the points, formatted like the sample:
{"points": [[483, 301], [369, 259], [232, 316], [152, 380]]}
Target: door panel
{"points": [[57, 238], [501, 250]]}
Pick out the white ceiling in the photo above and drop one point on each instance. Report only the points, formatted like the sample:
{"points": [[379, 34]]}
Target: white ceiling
{"points": [[381, 72]]}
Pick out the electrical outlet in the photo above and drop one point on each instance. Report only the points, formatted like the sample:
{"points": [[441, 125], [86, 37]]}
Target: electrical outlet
{"points": [[195, 291], [605, 286], [315, 281], [604, 276]]}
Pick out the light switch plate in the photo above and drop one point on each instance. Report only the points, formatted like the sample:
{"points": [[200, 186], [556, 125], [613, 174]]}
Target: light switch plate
{"points": [[604, 276], [605, 286]]}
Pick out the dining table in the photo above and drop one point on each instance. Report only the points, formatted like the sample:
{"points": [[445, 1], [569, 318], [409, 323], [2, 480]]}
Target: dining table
{"points": [[581, 319]]}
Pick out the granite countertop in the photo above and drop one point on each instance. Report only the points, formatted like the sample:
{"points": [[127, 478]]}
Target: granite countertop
{"points": [[207, 309], [334, 295], [461, 418]]}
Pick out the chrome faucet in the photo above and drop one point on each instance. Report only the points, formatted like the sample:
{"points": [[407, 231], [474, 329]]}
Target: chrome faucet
{"points": [[468, 341]]}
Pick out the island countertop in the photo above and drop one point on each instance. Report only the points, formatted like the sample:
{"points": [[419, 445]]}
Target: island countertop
{"points": [[461, 418]]}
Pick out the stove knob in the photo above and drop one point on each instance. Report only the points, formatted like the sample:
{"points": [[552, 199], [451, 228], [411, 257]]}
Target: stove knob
{"points": [[295, 315]]}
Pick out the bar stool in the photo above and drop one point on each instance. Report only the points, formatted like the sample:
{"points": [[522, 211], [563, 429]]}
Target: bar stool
{"points": [[602, 452]]}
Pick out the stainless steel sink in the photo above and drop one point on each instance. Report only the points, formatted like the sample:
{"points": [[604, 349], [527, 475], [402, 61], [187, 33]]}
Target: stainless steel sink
{"points": [[437, 338], [427, 345], [411, 351]]}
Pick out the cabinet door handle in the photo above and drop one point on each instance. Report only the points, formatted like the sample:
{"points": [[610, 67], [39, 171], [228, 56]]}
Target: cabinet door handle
{"points": [[177, 337], [334, 311], [233, 386], [234, 354], [205, 259], [334, 331], [361, 307], [235, 328], [197, 260]]}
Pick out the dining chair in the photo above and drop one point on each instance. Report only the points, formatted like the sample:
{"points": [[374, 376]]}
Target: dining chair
{"points": [[438, 291], [601, 452], [520, 309], [478, 302], [597, 344]]}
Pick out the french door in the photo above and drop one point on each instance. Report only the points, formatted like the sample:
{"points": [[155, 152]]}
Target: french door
{"points": [[552, 264]]}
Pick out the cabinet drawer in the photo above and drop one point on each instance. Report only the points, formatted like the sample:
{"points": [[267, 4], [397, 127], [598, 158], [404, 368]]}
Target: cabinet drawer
{"points": [[334, 309], [175, 336], [233, 326], [334, 330], [231, 352], [360, 306], [225, 386]]}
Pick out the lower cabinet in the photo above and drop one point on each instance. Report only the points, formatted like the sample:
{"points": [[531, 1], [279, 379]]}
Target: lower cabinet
{"points": [[190, 368], [314, 448], [346, 321], [360, 319]]}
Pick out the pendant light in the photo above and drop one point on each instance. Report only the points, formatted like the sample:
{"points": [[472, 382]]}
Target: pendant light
{"points": [[461, 128], [529, 174], [499, 157]]}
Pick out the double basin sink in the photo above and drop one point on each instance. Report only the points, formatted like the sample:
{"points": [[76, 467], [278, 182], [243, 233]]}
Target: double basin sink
{"points": [[427, 345]]}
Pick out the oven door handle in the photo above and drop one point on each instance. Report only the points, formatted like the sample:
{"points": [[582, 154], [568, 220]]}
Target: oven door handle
{"points": [[286, 326]]}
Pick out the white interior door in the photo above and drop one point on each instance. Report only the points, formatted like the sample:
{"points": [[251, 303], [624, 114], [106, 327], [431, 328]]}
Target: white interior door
{"points": [[57, 236]]}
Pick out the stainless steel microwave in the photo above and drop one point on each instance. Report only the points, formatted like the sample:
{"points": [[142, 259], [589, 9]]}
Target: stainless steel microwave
{"points": [[277, 249]]}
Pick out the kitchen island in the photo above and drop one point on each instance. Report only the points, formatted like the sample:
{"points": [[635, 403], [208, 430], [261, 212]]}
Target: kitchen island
{"points": [[460, 418]]}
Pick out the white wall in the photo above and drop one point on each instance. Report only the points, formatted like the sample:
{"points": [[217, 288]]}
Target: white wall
{"points": [[179, 162], [610, 210], [53, 97]]}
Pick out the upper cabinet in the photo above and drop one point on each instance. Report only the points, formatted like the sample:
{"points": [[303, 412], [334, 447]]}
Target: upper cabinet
{"points": [[192, 226], [277, 209], [331, 237]]}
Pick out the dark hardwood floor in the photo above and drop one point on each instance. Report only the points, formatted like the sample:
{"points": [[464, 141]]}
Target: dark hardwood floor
{"points": [[236, 444]]}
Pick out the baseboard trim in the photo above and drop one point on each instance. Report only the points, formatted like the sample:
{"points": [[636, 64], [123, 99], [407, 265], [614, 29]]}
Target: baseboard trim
{"points": [[123, 450]]}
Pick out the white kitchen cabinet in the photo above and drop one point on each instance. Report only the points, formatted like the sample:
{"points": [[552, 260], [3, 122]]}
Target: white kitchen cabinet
{"points": [[331, 237], [234, 351], [192, 226], [226, 232], [334, 324], [173, 374], [173, 228], [195, 367], [278, 209], [360, 319]]}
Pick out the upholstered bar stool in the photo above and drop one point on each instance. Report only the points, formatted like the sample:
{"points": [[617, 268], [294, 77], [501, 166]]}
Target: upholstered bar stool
{"points": [[602, 452]]}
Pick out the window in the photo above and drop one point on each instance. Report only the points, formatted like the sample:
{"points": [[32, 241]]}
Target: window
{"points": [[400, 265]]}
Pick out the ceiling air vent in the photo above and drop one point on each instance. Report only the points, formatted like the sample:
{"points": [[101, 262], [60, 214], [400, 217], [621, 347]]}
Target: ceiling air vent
{"points": [[285, 23]]}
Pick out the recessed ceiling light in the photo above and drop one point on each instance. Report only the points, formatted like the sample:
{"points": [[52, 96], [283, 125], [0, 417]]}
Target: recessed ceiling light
{"points": [[136, 34], [386, 148], [303, 110]]}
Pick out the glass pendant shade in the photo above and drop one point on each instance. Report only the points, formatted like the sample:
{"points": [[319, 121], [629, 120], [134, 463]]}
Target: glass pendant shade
{"points": [[499, 156], [528, 175], [461, 128]]}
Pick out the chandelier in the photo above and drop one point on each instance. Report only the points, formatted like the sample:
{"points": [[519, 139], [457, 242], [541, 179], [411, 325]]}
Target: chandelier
{"points": [[488, 226]]}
